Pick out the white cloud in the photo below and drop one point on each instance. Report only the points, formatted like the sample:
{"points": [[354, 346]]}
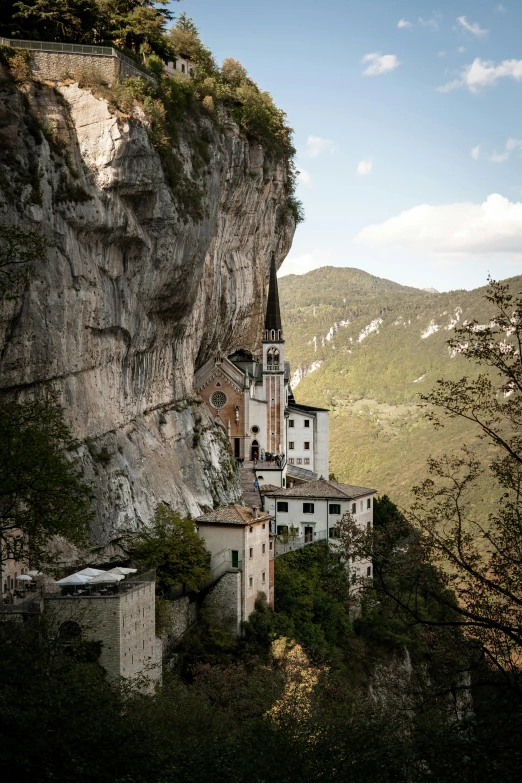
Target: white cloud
{"points": [[510, 146], [403, 24], [475, 152], [304, 177], [461, 49], [300, 265], [472, 27], [484, 73], [431, 23], [315, 146], [365, 167], [379, 63], [443, 53], [500, 9], [494, 226]]}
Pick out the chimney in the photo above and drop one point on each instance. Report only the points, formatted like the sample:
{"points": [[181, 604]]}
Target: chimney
{"points": [[255, 511]]}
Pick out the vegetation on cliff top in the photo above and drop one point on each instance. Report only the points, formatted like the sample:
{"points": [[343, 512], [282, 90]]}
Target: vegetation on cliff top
{"points": [[139, 29]]}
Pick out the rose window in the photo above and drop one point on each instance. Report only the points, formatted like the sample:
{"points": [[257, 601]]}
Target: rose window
{"points": [[218, 399]]}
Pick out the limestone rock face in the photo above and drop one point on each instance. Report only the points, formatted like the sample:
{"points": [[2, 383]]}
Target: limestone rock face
{"points": [[135, 292]]}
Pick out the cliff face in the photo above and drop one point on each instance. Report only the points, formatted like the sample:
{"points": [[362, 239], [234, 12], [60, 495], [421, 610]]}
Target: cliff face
{"points": [[135, 293]]}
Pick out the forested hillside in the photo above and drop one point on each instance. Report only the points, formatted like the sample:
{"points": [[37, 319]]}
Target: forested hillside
{"points": [[367, 348]]}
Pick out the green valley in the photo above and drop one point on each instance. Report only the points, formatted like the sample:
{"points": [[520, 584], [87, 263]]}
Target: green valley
{"points": [[367, 348]]}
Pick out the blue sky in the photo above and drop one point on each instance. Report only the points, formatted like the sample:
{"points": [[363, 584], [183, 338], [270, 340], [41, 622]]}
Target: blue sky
{"points": [[407, 120]]}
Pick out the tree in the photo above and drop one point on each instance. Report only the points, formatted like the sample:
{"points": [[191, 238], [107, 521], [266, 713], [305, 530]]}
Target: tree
{"points": [[42, 491], [171, 545], [475, 553], [19, 251]]}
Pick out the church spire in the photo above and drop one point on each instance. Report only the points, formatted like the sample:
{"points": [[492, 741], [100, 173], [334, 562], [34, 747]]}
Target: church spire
{"points": [[273, 315]]}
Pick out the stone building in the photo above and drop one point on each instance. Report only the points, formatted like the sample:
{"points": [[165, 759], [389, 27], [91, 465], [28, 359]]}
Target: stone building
{"points": [[238, 539], [251, 397], [311, 512], [124, 622]]}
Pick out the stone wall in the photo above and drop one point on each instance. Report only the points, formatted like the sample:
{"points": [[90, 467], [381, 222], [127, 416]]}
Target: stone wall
{"points": [[184, 611], [57, 66], [225, 599], [123, 623]]}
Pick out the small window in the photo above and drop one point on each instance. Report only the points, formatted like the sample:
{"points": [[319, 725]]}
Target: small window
{"points": [[354, 578], [264, 548], [306, 460], [263, 526], [290, 460], [263, 577], [369, 503], [282, 505], [290, 422], [251, 552], [270, 545], [291, 444], [307, 422], [251, 529], [250, 581], [307, 445], [353, 558], [334, 508], [333, 532], [299, 461], [308, 508], [369, 571], [354, 508]]}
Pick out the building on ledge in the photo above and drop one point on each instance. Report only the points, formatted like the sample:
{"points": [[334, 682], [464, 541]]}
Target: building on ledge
{"points": [[251, 397]]}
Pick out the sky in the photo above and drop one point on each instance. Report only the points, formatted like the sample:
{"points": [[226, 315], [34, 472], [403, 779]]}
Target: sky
{"points": [[407, 121]]}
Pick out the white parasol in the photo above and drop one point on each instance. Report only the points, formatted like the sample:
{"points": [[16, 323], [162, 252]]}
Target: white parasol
{"points": [[90, 572], [105, 578], [74, 579], [122, 571]]}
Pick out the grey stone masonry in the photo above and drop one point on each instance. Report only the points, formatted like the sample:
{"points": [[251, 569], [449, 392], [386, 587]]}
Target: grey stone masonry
{"points": [[57, 61], [124, 623]]}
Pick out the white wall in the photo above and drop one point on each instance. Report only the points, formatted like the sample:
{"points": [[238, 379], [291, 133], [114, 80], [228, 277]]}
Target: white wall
{"points": [[321, 444], [299, 434]]}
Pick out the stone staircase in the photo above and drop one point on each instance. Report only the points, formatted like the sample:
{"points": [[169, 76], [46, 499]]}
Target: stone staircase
{"points": [[250, 494]]}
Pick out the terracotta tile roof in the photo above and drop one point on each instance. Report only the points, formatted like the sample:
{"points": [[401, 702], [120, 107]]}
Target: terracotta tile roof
{"points": [[323, 489], [231, 515], [263, 488]]}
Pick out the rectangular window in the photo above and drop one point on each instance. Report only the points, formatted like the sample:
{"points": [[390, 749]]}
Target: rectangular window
{"points": [[308, 508], [369, 571], [235, 558], [282, 530], [333, 532], [290, 460], [299, 461], [290, 422], [250, 581], [306, 460], [263, 577], [270, 545], [264, 548], [354, 508], [291, 444], [307, 445], [263, 526], [251, 529], [251, 552], [369, 503], [334, 508], [307, 422], [282, 505]]}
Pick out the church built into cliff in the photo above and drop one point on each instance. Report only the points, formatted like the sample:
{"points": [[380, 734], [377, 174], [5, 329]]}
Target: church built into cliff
{"points": [[251, 397]]}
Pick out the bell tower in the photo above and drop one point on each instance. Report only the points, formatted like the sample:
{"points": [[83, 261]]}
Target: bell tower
{"points": [[274, 368]]}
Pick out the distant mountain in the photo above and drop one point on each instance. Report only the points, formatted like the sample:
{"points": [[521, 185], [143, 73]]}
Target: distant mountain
{"points": [[366, 347]]}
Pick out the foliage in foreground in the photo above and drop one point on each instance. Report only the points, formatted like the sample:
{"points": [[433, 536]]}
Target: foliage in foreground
{"points": [[42, 490]]}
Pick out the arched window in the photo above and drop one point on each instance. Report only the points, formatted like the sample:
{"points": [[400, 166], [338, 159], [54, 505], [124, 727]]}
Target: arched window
{"points": [[272, 359]]}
